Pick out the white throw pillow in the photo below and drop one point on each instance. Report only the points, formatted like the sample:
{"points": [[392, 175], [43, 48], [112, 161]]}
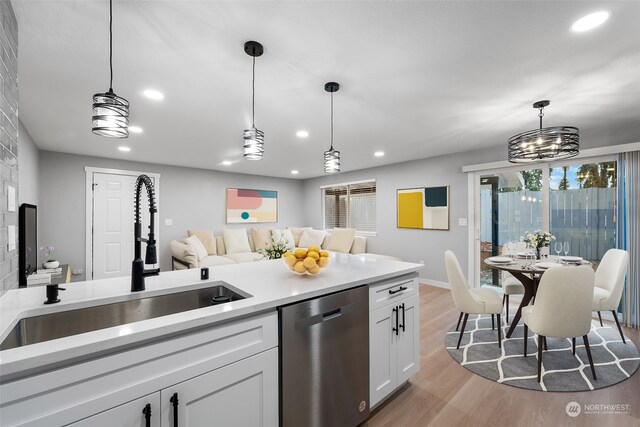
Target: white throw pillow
{"points": [[297, 233], [312, 238], [236, 240], [341, 240], [279, 235], [196, 244]]}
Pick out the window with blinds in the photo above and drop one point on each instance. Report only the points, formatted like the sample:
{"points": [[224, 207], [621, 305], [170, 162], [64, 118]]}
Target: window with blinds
{"points": [[350, 206]]}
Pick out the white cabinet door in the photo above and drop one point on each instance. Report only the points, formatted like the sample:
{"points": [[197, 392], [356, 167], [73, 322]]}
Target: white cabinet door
{"points": [[127, 415], [244, 393], [408, 340], [382, 354]]}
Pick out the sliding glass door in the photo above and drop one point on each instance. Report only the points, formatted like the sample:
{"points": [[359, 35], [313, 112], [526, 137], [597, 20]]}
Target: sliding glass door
{"points": [[574, 200], [510, 205], [582, 207]]}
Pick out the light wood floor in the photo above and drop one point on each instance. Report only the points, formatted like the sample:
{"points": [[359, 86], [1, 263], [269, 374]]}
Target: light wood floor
{"points": [[444, 393]]}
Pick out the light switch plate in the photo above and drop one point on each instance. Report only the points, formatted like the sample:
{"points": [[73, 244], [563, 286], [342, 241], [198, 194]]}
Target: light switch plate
{"points": [[168, 221], [462, 222]]}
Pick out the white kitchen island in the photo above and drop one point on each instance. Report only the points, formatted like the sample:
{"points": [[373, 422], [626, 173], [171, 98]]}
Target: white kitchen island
{"points": [[222, 356]]}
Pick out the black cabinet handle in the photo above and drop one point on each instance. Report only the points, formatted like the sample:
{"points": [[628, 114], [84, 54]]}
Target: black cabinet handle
{"points": [[147, 415], [395, 310], [174, 401], [402, 326], [400, 289]]}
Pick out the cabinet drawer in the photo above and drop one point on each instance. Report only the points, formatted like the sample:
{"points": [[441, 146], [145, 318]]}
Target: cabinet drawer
{"points": [[391, 291]]}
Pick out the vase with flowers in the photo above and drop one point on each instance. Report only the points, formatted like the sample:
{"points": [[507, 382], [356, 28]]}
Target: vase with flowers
{"points": [[538, 240], [47, 251]]}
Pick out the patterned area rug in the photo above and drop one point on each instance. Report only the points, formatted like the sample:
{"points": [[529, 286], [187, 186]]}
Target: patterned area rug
{"points": [[561, 370]]}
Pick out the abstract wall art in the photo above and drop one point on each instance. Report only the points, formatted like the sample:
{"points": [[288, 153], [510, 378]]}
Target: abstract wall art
{"points": [[251, 206], [424, 208]]}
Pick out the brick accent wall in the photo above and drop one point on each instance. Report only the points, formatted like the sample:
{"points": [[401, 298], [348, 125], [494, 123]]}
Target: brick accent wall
{"points": [[8, 143]]}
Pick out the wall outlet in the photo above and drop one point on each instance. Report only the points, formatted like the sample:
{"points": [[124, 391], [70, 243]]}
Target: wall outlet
{"points": [[168, 221], [421, 261], [462, 222]]}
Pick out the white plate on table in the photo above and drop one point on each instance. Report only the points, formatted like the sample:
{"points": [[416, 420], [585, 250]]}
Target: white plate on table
{"points": [[571, 258], [499, 259], [524, 254], [544, 265]]}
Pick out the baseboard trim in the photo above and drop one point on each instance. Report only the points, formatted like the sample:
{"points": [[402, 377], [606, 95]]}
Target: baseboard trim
{"points": [[434, 283]]}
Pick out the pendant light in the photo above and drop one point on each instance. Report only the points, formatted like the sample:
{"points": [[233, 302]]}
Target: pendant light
{"points": [[544, 144], [331, 156], [110, 112], [253, 138]]}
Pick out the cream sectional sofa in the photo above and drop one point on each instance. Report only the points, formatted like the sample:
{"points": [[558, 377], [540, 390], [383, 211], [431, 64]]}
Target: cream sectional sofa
{"points": [[184, 256]]}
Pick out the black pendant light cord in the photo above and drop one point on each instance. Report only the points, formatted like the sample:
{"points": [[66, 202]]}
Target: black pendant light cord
{"points": [[540, 115], [253, 94], [331, 121], [111, 45]]}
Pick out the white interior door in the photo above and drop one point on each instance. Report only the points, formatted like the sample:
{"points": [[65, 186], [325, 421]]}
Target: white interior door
{"points": [[112, 228]]}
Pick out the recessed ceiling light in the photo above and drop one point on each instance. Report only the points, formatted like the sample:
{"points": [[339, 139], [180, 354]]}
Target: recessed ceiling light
{"points": [[135, 129], [302, 134], [226, 163], [124, 149], [153, 94], [379, 153], [294, 172], [590, 21]]}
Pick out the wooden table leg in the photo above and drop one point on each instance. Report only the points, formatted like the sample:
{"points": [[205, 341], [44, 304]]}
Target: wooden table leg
{"points": [[529, 292]]}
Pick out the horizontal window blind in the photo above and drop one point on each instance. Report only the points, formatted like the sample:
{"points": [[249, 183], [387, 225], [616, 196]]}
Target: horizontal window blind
{"points": [[350, 206]]}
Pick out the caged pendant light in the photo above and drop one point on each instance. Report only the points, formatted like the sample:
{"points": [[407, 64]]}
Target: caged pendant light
{"points": [[331, 156], [544, 144], [253, 138], [110, 111]]}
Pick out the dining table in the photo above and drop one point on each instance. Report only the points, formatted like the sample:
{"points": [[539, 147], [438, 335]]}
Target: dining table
{"points": [[528, 272]]}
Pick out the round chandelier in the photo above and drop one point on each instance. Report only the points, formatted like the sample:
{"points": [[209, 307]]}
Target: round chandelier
{"points": [[331, 156], [544, 144], [253, 137], [110, 111]]}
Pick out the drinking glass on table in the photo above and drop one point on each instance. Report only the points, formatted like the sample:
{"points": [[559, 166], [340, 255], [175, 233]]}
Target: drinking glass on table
{"points": [[565, 246], [558, 248]]}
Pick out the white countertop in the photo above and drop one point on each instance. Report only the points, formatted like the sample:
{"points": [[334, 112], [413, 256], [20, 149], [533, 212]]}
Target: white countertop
{"points": [[269, 282]]}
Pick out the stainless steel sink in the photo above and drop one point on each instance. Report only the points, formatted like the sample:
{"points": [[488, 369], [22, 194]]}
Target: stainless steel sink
{"points": [[31, 330]]}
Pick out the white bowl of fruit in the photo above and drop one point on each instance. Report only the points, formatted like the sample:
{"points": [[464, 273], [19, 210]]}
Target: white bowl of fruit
{"points": [[311, 260]]}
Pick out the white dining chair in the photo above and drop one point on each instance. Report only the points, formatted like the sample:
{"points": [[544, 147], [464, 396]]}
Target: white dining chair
{"points": [[562, 309], [471, 301], [609, 284], [511, 285]]}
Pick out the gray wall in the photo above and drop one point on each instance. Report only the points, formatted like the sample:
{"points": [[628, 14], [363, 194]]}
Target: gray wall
{"points": [[412, 245], [29, 172], [192, 198], [8, 142]]}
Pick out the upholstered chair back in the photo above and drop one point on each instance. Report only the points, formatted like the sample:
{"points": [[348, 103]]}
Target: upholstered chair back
{"points": [[611, 273], [459, 289], [562, 307]]}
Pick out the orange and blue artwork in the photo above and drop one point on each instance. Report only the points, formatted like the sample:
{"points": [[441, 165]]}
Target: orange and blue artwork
{"points": [[251, 206]]}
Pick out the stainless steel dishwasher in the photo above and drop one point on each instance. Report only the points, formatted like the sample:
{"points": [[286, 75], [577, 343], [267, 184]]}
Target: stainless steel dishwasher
{"points": [[324, 360]]}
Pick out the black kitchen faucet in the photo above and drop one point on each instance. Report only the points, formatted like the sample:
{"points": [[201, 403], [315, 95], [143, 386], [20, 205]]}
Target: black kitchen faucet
{"points": [[138, 272]]}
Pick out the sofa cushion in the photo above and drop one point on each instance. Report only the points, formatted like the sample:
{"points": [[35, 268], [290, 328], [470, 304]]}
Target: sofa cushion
{"points": [[184, 252], [312, 238], [207, 238], [213, 260], [359, 245], [235, 240], [285, 234], [197, 245], [244, 257], [341, 240], [261, 238], [296, 232]]}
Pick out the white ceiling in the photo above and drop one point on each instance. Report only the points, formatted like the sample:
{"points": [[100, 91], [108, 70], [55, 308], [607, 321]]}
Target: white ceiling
{"points": [[418, 79]]}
